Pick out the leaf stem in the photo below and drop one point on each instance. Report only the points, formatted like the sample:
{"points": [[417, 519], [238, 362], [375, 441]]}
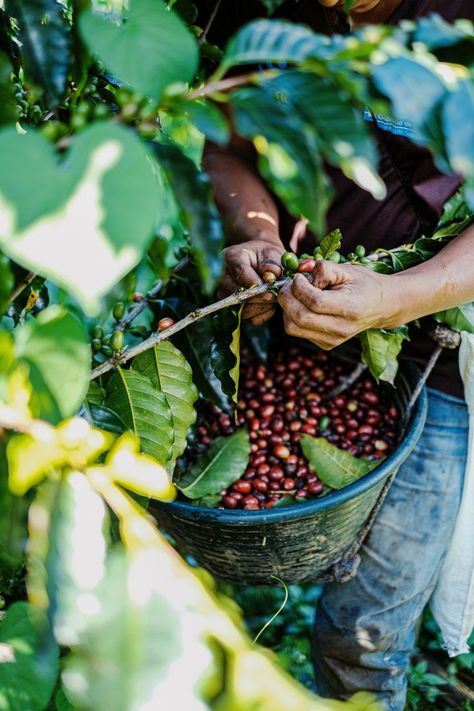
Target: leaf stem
{"points": [[20, 288], [224, 85], [233, 300]]}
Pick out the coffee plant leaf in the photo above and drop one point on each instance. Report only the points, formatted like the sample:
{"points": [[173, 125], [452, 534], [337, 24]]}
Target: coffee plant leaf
{"points": [[7, 282], [77, 520], [29, 669], [225, 350], [8, 107], [62, 703], [144, 410], [459, 130], [331, 243], [102, 417], [459, 318], [144, 646], [293, 166], [44, 45], [95, 393], [44, 226], [272, 42], [438, 35], [209, 120], [193, 194], [169, 371], [380, 350], [13, 521], [218, 467], [54, 347], [149, 51], [335, 467], [404, 259]]}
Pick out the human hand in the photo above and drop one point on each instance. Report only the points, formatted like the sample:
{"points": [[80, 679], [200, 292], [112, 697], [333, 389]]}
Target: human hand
{"points": [[338, 302], [244, 265]]}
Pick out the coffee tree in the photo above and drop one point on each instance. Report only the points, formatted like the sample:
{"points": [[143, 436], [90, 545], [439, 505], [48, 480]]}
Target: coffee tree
{"points": [[110, 245]]}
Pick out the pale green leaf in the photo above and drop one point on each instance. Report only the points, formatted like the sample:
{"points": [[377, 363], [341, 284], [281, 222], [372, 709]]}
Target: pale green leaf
{"points": [[335, 467], [380, 350], [168, 370], [218, 467], [331, 243]]}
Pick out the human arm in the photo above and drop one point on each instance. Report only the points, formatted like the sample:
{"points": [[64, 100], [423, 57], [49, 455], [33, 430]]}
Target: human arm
{"points": [[251, 220], [344, 300]]}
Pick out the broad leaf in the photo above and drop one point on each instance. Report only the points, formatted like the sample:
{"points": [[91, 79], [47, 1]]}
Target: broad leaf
{"points": [[458, 109], [104, 418], [380, 349], [95, 393], [45, 38], [149, 51], [272, 5], [102, 200], [218, 467], [209, 120], [267, 41], [54, 347], [225, 350], [28, 671], [459, 318], [331, 243], [13, 522], [168, 370], [62, 702], [144, 410], [8, 107], [7, 282], [193, 193], [335, 467]]}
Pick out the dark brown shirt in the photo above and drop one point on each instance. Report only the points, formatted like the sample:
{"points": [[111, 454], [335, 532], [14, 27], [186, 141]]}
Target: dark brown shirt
{"points": [[416, 190]]}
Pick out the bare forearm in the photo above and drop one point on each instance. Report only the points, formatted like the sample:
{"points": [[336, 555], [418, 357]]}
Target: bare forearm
{"points": [[444, 281], [248, 209]]}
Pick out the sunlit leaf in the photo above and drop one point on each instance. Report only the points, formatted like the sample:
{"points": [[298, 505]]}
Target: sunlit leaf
{"points": [[218, 467], [144, 410], [380, 349], [87, 205], [168, 370], [225, 350], [27, 678], [459, 318], [150, 50], [331, 243], [335, 467]]}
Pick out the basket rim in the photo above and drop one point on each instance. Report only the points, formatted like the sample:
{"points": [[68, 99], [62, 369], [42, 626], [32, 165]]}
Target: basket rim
{"points": [[332, 500]]}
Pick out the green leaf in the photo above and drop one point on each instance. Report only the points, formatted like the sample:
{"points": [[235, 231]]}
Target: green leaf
{"points": [[149, 51], [457, 112], [104, 418], [272, 5], [62, 702], [194, 195], [459, 318], [225, 350], [144, 410], [331, 243], [218, 467], [209, 120], [169, 371], [95, 393], [87, 205], [335, 467], [380, 349], [13, 522], [266, 41], [45, 39], [28, 671], [8, 107], [54, 347], [7, 282]]}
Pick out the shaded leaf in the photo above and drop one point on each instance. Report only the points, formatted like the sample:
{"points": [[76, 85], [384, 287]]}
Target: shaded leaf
{"points": [[209, 120], [45, 43], [104, 418], [380, 349], [272, 5], [457, 112], [62, 702], [335, 467], [144, 410], [168, 370], [193, 193], [85, 205], [13, 522], [218, 467], [54, 347], [225, 349], [331, 243], [95, 393], [27, 678], [8, 107], [149, 51]]}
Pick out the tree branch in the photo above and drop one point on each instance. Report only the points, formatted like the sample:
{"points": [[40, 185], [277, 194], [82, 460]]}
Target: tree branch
{"points": [[224, 85], [233, 300], [210, 21]]}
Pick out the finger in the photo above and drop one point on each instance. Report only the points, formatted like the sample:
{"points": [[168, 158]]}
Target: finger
{"points": [[240, 270], [330, 301], [323, 336], [329, 274], [256, 310], [270, 265], [263, 317]]}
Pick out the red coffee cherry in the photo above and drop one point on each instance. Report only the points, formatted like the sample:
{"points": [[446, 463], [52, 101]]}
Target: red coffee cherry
{"points": [[165, 323]]}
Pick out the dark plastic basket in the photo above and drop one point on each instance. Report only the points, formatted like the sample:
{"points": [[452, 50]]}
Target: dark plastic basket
{"points": [[298, 543]]}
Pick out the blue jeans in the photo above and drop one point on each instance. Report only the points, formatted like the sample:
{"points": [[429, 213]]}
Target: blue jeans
{"points": [[365, 629]]}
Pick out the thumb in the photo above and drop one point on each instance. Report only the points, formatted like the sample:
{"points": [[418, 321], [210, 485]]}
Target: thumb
{"points": [[329, 274]]}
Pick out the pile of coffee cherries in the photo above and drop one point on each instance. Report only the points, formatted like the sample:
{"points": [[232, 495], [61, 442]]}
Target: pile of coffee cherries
{"points": [[281, 401]]}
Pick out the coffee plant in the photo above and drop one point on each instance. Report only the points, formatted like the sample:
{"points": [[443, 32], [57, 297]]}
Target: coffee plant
{"points": [[110, 246]]}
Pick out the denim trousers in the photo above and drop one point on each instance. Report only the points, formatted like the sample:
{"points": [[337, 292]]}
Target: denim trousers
{"points": [[365, 629]]}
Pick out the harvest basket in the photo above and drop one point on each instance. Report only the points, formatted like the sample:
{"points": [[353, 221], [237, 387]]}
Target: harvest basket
{"points": [[315, 541]]}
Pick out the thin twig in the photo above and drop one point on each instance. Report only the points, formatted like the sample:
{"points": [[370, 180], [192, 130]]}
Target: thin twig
{"points": [[224, 85], [348, 380], [24, 284], [420, 384], [232, 300], [210, 22]]}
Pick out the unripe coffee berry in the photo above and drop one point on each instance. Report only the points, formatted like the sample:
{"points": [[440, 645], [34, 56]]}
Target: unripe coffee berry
{"points": [[269, 277]]}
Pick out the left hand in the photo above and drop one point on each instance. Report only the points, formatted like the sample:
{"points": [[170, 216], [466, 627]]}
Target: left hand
{"points": [[340, 301]]}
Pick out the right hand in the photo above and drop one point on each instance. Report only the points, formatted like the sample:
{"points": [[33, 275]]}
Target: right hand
{"points": [[244, 265]]}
